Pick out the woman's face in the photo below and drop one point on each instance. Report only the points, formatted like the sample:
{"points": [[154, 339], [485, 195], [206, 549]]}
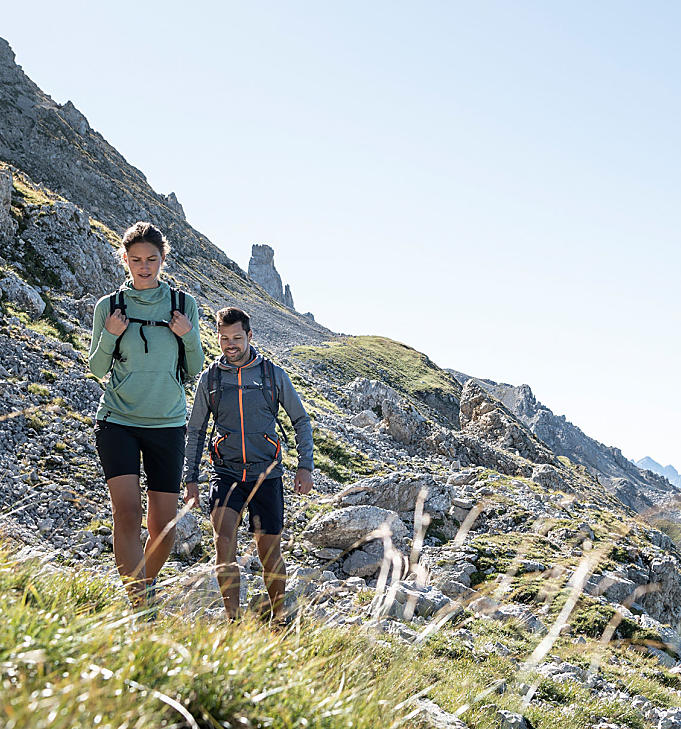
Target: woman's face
{"points": [[144, 262]]}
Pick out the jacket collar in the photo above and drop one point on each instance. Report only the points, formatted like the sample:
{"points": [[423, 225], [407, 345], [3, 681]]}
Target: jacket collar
{"points": [[254, 360]]}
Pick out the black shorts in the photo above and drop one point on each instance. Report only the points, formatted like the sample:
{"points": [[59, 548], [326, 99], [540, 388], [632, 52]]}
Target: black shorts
{"points": [[162, 449], [265, 507]]}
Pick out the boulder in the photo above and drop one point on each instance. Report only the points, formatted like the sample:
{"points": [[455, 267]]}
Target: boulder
{"points": [[187, 535], [399, 492], [362, 564], [342, 528], [365, 419], [7, 225], [433, 717], [407, 599], [22, 295]]}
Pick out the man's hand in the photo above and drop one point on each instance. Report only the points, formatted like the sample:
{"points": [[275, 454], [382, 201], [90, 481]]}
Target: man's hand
{"points": [[302, 483], [180, 324], [116, 323], [191, 494]]}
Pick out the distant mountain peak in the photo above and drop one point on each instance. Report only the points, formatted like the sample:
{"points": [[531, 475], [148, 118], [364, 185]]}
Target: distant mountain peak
{"points": [[669, 472]]}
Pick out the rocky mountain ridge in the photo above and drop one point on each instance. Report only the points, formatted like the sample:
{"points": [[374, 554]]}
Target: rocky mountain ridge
{"points": [[635, 483], [668, 472], [442, 518]]}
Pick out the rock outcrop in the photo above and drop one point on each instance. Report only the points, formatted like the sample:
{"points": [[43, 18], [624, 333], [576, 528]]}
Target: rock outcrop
{"points": [[262, 270], [566, 439]]}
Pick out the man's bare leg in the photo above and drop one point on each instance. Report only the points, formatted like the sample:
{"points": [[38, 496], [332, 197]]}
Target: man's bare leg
{"points": [[161, 511], [126, 507], [274, 570], [225, 523]]}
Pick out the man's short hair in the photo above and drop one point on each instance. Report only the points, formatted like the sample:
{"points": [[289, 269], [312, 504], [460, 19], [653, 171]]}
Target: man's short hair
{"points": [[232, 315]]}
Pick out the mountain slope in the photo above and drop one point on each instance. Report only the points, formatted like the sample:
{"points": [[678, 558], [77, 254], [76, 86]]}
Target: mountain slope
{"points": [[56, 147]]}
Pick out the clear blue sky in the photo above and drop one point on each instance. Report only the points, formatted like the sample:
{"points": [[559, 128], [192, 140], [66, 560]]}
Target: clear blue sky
{"points": [[495, 184]]}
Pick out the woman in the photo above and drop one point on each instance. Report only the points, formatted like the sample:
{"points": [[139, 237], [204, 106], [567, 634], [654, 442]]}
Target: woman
{"points": [[146, 347]]}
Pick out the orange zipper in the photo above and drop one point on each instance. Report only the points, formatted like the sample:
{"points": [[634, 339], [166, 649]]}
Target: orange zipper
{"points": [[241, 414]]}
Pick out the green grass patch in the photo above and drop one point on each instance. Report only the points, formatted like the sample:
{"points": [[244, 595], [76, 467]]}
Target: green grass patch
{"points": [[27, 194], [48, 375], [379, 358], [41, 390], [339, 460], [105, 232], [70, 659]]}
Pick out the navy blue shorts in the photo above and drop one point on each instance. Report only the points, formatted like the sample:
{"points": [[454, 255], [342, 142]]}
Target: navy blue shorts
{"points": [[265, 505], [162, 449]]}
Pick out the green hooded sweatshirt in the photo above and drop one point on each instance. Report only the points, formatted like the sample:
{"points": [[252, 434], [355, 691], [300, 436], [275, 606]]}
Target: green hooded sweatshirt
{"points": [[143, 389]]}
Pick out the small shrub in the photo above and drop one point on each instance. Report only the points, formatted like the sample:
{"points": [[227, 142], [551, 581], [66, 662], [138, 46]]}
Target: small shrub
{"points": [[48, 375], [36, 420], [41, 390]]}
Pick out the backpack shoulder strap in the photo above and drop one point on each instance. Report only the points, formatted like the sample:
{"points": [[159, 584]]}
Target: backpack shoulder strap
{"points": [[271, 394], [177, 299], [117, 301], [214, 389], [269, 386]]}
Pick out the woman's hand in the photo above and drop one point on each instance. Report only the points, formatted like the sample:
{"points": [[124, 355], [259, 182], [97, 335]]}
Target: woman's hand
{"points": [[116, 323], [180, 324]]}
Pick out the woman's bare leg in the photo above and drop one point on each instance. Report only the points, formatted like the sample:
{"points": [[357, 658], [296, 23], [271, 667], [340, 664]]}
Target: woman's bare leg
{"points": [[126, 507], [161, 511]]}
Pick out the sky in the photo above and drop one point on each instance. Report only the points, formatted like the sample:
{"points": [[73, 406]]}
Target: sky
{"points": [[495, 184]]}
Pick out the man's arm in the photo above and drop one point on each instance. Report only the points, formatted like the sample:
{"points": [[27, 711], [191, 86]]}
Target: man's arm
{"points": [[196, 436], [290, 400]]}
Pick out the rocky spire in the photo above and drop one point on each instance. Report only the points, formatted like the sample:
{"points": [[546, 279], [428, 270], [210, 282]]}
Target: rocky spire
{"points": [[262, 270]]}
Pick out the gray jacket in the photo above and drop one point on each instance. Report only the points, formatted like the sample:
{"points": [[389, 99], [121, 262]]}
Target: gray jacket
{"points": [[245, 441]]}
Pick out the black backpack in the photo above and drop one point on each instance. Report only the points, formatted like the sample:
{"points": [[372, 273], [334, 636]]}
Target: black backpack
{"points": [[177, 302], [269, 392]]}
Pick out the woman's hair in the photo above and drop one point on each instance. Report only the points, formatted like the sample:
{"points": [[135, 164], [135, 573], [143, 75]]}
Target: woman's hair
{"points": [[145, 233]]}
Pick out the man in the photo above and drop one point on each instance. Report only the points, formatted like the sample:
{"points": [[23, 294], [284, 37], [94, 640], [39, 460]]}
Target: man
{"points": [[242, 391]]}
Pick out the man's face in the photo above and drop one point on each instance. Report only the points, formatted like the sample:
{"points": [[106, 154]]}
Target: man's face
{"points": [[234, 342]]}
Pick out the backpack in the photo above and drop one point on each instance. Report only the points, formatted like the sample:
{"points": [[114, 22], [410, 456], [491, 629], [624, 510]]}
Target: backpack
{"points": [[177, 301], [269, 392]]}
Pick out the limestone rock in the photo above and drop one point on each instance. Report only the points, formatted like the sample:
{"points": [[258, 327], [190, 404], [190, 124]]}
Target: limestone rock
{"points": [[262, 270], [187, 535], [288, 297], [511, 720], [344, 527], [174, 204], [362, 564], [25, 297], [399, 492], [484, 416], [82, 261], [365, 419], [7, 225], [433, 717], [406, 599]]}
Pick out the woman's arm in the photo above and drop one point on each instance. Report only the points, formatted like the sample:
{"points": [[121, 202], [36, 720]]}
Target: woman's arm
{"points": [[103, 342], [192, 339]]}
